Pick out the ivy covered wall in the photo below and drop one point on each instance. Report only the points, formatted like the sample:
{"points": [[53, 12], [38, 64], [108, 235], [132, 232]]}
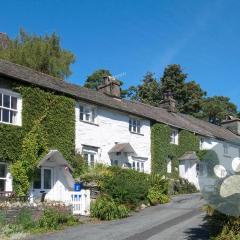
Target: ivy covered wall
{"points": [[162, 149], [57, 126]]}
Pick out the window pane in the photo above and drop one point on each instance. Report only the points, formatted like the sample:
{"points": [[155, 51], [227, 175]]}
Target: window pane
{"points": [[13, 117], [5, 115], [87, 114], [85, 156], [133, 165], [2, 185], [6, 101], [3, 170], [0, 99], [37, 179], [138, 166], [47, 179], [81, 112], [142, 167], [13, 102], [130, 124], [92, 160]]}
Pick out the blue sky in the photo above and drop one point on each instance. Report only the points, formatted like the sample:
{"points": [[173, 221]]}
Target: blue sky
{"points": [[131, 37]]}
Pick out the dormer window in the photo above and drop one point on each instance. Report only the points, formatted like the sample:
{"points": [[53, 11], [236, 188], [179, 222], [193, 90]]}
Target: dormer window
{"points": [[134, 125], [10, 107], [87, 113], [174, 136]]}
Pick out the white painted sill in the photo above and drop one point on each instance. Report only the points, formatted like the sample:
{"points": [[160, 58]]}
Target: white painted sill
{"points": [[91, 123], [140, 134]]}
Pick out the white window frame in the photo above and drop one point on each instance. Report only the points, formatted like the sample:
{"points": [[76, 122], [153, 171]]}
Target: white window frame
{"points": [[169, 165], [91, 155], [138, 165], [135, 125], [6, 172], [17, 120], [87, 113], [42, 179], [174, 136]]}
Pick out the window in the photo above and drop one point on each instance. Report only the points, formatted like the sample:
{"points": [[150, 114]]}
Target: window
{"points": [[3, 176], [201, 143], [47, 178], [169, 165], [174, 137], [43, 178], [9, 111], [87, 113], [89, 155], [138, 166], [134, 125], [37, 179], [225, 149]]}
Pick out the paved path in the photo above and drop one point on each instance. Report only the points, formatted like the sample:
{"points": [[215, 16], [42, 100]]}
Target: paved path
{"points": [[178, 220]]}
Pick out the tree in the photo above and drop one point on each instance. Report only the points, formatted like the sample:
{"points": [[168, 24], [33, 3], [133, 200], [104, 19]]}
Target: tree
{"points": [[148, 92], [188, 95], [96, 79], [215, 109], [41, 53]]}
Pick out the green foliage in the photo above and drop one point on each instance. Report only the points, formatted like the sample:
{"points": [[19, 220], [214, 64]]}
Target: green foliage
{"points": [[79, 165], [148, 92], [96, 79], [215, 109], [2, 218], [162, 149], [156, 196], [105, 208], [125, 186], [48, 123], [41, 53], [55, 218], [223, 227], [181, 186], [25, 219]]}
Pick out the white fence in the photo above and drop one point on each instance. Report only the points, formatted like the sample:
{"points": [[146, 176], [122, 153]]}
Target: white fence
{"points": [[80, 202]]}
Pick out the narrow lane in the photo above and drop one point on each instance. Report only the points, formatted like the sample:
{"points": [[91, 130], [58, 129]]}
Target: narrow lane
{"points": [[180, 219]]}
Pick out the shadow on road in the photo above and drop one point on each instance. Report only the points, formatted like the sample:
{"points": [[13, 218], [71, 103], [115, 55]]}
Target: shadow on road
{"points": [[199, 233]]}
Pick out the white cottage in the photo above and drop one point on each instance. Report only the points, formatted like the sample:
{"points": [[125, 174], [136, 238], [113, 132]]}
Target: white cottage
{"points": [[108, 130]]}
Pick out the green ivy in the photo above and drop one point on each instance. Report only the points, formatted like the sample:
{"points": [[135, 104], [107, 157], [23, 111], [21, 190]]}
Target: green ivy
{"points": [[161, 148], [48, 122]]}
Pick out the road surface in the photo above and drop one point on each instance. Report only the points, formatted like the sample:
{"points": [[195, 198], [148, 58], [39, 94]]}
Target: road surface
{"points": [[178, 220]]}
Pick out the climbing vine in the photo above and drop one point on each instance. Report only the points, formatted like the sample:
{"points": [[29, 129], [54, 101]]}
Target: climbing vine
{"points": [[162, 149], [48, 122]]}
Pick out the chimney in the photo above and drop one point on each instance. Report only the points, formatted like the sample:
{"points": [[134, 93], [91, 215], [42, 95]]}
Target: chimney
{"points": [[232, 124], [3, 40], [168, 102], [110, 87]]}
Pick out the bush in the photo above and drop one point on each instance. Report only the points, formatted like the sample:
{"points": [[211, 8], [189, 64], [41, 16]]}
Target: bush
{"points": [[25, 219], [55, 217], [182, 186], [106, 209], [223, 227], [156, 196], [125, 186]]}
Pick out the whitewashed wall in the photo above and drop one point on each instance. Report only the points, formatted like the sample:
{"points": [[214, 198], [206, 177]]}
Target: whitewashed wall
{"points": [[113, 126]]}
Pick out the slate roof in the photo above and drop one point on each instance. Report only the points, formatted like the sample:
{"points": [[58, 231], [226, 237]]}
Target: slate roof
{"points": [[158, 114]]}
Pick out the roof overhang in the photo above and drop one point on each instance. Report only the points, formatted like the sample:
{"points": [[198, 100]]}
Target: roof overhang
{"points": [[54, 158]]}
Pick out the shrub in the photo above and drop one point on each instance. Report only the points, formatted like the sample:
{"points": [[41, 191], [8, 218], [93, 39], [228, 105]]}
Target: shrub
{"points": [[106, 209], [182, 186], [25, 219], [55, 217], [156, 196], [125, 186]]}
